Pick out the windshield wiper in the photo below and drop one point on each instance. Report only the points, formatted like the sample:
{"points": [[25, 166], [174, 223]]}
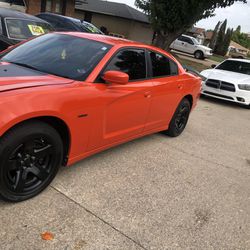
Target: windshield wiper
{"points": [[24, 65]]}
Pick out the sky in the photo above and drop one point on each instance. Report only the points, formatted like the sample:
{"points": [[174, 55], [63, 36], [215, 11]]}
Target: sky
{"points": [[237, 14]]}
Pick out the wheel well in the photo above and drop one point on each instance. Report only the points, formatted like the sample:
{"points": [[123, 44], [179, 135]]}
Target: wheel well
{"points": [[60, 126], [190, 99], [199, 51]]}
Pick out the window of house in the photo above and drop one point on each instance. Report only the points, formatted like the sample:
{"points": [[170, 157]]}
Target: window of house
{"points": [[48, 6], [58, 6], [162, 66], [130, 61]]}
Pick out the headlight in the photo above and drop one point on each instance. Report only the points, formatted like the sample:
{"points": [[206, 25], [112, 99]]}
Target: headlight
{"points": [[203, 78], [244, 87]]}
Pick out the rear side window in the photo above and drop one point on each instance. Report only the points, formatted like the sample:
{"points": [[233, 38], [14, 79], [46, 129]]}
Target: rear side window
{"points": [[130, 61], [162, 65]]}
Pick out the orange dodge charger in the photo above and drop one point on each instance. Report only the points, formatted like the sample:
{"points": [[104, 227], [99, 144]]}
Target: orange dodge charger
{"points": [[65, 96]]}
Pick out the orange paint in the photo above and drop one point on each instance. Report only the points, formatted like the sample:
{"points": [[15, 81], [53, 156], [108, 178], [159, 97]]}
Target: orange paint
{"points": [[98, 115]]}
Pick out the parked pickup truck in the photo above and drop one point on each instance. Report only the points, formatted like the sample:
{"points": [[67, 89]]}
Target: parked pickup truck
{"points": [[190, 45]]}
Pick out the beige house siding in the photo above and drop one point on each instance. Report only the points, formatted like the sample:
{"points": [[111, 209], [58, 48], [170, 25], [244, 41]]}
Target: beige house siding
{"points": [[141, 32], [130, 29]]}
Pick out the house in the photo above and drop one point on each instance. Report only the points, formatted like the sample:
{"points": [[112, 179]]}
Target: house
{"points": [[19, 5], [208, 37], [198, 33], [63, 7], [119, 19]]}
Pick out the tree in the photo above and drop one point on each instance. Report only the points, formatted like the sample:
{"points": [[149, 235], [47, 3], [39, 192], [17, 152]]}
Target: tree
{"points": [[215, 35], [227, 41], [241, 38], [171, 18], [219, 46]]}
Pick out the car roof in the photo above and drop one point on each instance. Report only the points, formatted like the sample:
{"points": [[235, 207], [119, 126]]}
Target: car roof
{"points": [[239, 60], [188, 36], [4, 12], [102, 38], [75, 20]]}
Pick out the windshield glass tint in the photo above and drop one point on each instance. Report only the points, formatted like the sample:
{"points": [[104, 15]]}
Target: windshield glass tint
{"points": [[61, 55], [235, 66], [23, 29], [195, 41], [91, 28]]}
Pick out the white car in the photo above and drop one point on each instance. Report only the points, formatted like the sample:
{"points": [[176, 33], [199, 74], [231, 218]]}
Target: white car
{"points": [[190, 45], [229, 81]]}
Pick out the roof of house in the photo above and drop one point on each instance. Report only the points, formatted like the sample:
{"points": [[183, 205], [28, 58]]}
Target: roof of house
{"points": [[111, 9], [238, 46], [209, 35], [197, 30]]}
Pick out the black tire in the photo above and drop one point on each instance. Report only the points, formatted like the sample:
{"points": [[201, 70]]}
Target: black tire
{"points": [[179, 119], [198, 54], [30, 156]]}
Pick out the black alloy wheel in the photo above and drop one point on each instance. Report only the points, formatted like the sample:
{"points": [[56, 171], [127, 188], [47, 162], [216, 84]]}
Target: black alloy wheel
{"points": [[30, 155], [180, 119]]}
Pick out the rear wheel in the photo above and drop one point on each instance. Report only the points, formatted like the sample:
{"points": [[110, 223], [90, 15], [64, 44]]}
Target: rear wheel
{"points": [[180, 119], [30, 155]]}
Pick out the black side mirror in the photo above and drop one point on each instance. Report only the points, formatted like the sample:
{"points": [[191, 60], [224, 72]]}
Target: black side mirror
{"points": [[213, 66]]}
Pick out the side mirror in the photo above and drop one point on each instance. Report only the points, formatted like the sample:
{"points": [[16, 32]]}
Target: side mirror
{"points": [[116, 77], [213, 66]]}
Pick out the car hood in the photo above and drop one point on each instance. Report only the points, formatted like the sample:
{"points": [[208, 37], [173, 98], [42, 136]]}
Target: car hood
{"points": [[204, 47], [226, 76], [16, 77]]}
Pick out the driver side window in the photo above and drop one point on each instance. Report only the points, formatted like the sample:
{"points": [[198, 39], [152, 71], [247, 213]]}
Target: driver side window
{"points": [[130, 61]]}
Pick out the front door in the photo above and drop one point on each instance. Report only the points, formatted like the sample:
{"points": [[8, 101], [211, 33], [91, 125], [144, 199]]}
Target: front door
{"points": [[124, 108]]}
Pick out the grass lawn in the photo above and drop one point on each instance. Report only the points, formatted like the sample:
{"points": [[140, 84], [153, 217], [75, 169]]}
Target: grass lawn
{"points": [[217, 58], [197, 66]]}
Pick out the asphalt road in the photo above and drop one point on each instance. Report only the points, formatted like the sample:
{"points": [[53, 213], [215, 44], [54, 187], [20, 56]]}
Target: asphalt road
{"points": [[191, 192]]}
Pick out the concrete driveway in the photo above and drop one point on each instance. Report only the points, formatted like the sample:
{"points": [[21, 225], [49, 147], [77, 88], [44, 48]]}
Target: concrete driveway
{"points": [[191, 192]]}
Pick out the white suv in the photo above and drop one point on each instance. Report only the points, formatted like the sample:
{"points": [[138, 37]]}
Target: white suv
{"points": [[190, 45]]}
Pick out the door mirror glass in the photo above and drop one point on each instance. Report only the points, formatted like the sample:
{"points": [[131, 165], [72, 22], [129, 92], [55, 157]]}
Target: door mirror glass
{"points": [[115, 77], [213, 66]]}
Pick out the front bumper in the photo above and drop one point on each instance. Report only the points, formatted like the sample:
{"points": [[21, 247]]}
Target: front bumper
{"points": [[208, 54], [239, 96]]}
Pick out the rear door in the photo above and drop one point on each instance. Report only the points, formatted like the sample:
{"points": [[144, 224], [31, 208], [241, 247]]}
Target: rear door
{"points": [[166, 91]]}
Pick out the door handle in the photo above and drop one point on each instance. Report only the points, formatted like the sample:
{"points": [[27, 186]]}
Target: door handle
{"points": [[147, 94], [180, 86]]}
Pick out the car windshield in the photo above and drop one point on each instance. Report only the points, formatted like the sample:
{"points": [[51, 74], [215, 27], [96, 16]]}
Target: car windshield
{"points": [[195, 41], [235, 66], [22, 29], [91, 28], [58, 54]]}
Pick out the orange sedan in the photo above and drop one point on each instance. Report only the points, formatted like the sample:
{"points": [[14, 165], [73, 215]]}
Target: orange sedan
{"points": [[66, 96]]}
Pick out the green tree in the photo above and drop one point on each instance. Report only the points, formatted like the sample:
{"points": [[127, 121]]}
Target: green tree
{"points": [[241, 38], [227, 41], [219, 46], [171, 18], [215, 35]]}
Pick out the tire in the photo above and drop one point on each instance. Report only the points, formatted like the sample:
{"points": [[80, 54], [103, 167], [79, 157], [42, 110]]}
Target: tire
{"points": [[30, 156], [198, 54], [179, 119]]}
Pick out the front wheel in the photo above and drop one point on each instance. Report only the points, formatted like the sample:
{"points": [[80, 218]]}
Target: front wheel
{"points": [[180, 119], [30, 156], [199, 55]]}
